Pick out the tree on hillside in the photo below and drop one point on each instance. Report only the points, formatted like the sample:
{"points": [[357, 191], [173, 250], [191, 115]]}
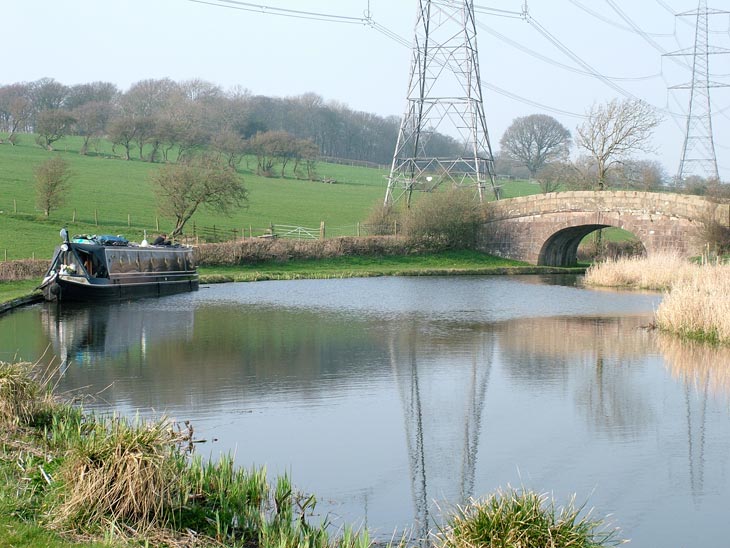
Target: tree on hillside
{"points": [[123, 131], [204, 182], [91, 120], [615, 130], [51, 183], [95, 92], [16, 108], [535, 141], [51, 125]]}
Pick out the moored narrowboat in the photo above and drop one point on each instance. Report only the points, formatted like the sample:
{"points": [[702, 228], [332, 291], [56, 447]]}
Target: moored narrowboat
{"points": [[110, 268]]}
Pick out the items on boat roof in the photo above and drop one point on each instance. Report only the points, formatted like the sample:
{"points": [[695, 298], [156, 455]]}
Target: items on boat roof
{"points": [[104, 239]]}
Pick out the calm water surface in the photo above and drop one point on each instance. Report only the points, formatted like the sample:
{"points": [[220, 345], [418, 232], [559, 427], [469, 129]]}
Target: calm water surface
{"points": [[390, 397]]}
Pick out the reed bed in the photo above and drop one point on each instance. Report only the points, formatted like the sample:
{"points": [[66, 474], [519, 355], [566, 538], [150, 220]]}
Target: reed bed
{"points": [[699, 308], [659, 271], [524, 519], [697, 300]]}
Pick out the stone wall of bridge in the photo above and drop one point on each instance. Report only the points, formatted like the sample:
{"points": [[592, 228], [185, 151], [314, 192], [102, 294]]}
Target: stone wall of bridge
{"points": [[547, 228]]}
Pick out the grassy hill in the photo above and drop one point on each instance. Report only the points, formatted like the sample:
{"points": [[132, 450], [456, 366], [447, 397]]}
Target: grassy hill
{"points": [[109, 195]]}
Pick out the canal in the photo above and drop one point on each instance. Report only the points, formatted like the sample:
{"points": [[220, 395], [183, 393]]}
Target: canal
{"points": [[393, 399]]}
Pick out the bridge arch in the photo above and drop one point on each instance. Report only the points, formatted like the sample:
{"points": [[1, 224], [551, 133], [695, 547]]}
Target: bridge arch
{"points": [[546, 229], [561, 249]]}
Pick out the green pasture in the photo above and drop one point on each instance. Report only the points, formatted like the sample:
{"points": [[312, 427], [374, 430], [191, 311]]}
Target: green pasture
{"points": [[111, 195]]}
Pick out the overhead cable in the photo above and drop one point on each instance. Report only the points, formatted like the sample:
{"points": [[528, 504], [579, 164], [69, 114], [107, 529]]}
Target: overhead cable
{"points": [[614, 23], [282, 12]]}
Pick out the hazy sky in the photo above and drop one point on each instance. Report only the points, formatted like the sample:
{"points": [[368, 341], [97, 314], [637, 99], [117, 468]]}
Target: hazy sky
{"points": [[523, 71]]}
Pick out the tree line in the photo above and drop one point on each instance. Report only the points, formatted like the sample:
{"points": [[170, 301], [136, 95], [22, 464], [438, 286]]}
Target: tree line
{"points": [[162, 120]]}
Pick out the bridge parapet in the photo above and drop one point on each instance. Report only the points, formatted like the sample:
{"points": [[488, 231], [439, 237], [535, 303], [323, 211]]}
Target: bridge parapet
{"points": [[650, 203]]}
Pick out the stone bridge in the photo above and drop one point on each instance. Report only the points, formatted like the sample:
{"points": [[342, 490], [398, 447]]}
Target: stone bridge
{"points": [[545, 229]]}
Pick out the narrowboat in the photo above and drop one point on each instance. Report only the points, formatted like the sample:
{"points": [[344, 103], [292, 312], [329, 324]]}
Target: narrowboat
{"points": [[110, 268]]}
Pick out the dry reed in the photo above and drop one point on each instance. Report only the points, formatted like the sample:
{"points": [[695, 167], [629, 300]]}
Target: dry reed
{"points": [[659, 271], [699, 307], [19, 394], [120, 473]]}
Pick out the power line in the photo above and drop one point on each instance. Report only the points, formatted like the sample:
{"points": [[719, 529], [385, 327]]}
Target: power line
{"points": [[614, 23], [556, 63], [571, 54], [282, 12]]}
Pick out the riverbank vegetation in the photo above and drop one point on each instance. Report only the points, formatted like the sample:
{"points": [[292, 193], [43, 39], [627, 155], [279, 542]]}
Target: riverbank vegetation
{"points": [[523, 518], [697, 300], [115, 482]]}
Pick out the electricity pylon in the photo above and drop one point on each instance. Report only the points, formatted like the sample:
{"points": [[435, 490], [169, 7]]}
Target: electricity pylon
{"points": [[698, 152], [444, 103]]}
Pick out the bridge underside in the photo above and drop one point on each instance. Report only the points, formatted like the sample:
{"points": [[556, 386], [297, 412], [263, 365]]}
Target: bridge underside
{"points": [[561, 249]]}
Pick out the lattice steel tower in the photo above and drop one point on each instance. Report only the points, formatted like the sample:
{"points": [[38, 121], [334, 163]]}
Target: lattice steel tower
{"points": [[444, 98], [698, 153]]}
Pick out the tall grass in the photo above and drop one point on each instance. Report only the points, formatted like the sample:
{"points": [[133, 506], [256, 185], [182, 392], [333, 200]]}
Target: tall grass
{"points": [[524, 519], [19, 394], [119, 472], [697, 300], [699, 307], [659, 271]]}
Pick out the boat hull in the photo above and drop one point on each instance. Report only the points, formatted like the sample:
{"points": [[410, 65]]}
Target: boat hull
{"points": [[63, 289]]}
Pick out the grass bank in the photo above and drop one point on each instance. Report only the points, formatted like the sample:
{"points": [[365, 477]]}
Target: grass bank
{"points": [[115, 482], [697, 300]]}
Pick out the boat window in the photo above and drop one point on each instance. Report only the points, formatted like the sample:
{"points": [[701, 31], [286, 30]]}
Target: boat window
{"points": [[70, 264]]}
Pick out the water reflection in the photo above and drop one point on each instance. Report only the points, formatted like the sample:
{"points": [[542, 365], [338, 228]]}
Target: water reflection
{"points": [[390, 397]]}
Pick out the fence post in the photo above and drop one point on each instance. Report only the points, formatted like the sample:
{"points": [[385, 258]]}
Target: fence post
{"points": [[73, 218], [250, 231], [15, 206], [96, 217], [395, 228], [157, 223], [129, 219], [321, 230], [358, 229]]}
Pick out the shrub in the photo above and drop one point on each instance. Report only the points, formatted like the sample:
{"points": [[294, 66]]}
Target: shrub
{"points": [[258, 250], [523, 519], [444, 220], [24, 269], [382, 220]]}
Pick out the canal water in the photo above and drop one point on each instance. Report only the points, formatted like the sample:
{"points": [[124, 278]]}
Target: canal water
{"points": [[394, 399]]}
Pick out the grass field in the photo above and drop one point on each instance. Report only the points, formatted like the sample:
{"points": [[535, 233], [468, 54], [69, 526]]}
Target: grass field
{"points": [[109, 195], [119, 195]]}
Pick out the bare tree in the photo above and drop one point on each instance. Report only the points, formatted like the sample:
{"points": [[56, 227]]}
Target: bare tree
{"points": [[644, 175], [51, 183], [614, 131], [16, 109], [52, 125], [184, 187], [91, 120], [555, 175], [536, 140]]}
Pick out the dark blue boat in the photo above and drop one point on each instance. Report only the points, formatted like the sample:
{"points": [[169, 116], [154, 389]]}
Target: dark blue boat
{"points": [[109, 268]]}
